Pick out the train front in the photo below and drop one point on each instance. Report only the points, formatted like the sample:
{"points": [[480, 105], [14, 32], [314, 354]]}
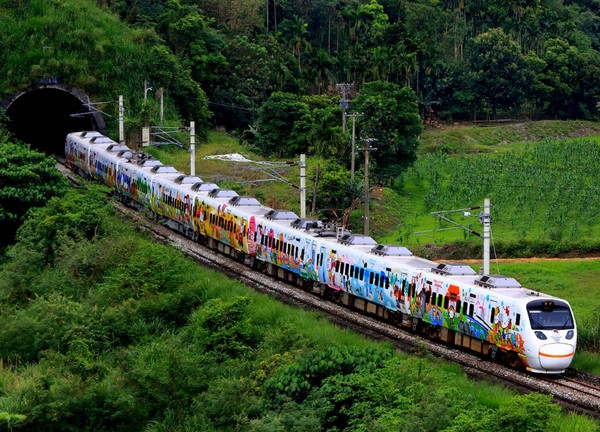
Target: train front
{"points": [[552, 337]]}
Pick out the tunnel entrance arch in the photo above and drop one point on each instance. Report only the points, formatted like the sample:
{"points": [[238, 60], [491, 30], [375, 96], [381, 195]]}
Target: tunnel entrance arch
{"points": [[43, 115]]}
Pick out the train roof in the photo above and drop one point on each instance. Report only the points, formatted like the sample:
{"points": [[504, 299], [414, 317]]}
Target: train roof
{"points": [[204, 187]]}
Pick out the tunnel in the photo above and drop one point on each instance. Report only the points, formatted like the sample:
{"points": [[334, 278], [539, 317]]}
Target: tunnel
{"points": [[44, 114]]}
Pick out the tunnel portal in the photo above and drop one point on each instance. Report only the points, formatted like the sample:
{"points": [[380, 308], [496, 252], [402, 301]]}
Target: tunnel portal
{"points": [[44, 114]]}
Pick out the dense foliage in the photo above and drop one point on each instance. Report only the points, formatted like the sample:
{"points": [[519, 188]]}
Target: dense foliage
{"points": [[462, 59], [114, 332], [27, 179]]}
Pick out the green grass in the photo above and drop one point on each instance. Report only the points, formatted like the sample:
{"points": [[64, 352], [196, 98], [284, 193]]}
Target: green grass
{"points": [[483, 139], [576, 280]]}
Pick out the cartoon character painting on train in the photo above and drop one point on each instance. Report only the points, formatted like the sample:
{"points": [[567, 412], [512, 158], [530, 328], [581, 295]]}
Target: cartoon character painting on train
{"points": [[453, 295], [123, 181], [112, 178], [416, 292], [504, 332], [251, 237], [154, 204], [310, 265], [237, 235], [198, 216]]}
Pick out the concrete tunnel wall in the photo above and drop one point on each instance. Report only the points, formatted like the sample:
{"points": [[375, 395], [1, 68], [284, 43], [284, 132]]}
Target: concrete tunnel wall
{"points": [[43, 115]]}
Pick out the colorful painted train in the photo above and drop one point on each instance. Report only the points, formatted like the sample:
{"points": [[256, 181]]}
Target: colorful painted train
{"points": [[490, 314]]}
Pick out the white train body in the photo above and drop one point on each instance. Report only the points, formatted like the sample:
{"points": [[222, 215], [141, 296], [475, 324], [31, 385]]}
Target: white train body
{"points": [[487, 314]]}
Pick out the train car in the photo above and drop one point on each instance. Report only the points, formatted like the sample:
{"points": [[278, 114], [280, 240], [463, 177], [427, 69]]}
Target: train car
{"points": [[488, 314]]}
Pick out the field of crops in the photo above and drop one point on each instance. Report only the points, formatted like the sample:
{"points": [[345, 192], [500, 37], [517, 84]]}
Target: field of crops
{"points": [[546, 190]]}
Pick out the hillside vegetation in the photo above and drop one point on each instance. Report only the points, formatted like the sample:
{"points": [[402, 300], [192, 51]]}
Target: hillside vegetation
{"points": [[103, 329]]}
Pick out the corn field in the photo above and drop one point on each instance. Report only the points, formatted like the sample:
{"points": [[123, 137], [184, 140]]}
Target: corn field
{"points": [[546, 190]]}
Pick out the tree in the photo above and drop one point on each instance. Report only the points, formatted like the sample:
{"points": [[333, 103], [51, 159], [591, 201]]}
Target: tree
{"points": [[276, 120], [27, 179], [563, 74], [500, 70], [391, 116]]}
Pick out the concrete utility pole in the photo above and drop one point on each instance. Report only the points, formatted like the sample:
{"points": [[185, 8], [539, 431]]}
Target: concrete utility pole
{"points": [[302, 185], [121, 128], [352, 162], [367, 148], [146, 128], [486, 236], [162, 107], [192, 148]]}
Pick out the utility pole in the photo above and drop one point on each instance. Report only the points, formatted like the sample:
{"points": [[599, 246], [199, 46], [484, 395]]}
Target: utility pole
{"points": [[146, 128], [484, 218], [121, 128], [162, 107], [367, 148], [302, 185], [352, 162], [192, 148], [344, 103], [486, 236]]}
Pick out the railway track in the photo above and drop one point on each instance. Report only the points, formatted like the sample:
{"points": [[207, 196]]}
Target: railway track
{"points": [[576, 391]]}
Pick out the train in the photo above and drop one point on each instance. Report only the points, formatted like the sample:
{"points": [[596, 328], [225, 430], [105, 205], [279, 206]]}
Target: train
{"points": [[491, 315]]}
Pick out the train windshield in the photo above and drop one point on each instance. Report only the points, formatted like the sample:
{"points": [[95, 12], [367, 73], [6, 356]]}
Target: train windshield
{"points": [[550, 315]]}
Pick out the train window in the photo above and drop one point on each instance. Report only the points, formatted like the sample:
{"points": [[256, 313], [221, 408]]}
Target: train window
{"points": [[362, 273], [387, 282], [446, 302], [302, 254], [458, 304], [493, 315], [371, 277], [518, 319], [433, 298], [464, 311], [550, 314], [471, 309], [376, 280], [440, 300], [337, 265]]}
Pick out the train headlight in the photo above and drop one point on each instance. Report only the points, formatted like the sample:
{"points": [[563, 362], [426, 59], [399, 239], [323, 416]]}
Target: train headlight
{"points": [[570, 334], [540, 335]]}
